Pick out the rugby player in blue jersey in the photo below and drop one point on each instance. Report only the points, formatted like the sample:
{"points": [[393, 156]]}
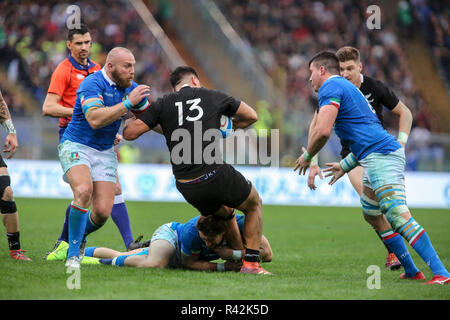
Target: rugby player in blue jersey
{"points": [[342, 105], [192, 245], [86, 150], [380, 97]]}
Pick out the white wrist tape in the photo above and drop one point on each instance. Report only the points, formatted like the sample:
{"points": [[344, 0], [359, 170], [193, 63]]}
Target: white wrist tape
{"points": [[314, 161], [349, 162], [9, 127], [402, 137]]}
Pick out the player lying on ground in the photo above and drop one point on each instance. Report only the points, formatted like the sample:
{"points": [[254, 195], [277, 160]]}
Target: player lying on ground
{"points": [[191, 245]]}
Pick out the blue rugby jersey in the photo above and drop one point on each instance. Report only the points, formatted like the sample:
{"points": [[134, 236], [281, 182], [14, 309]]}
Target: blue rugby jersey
{"points": [[97, 85], [190, 243], [357, 124]]}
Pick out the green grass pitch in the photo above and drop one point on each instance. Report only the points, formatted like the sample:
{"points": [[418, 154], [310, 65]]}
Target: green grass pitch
{"points": [[320, 253]]}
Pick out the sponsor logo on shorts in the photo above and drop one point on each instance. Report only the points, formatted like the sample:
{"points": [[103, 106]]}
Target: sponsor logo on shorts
{"points": [[110, 175]]}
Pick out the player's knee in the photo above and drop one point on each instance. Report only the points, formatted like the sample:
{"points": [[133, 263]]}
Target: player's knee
{"points": [[370, 207], [8, 207], [8, 194], [101, 213], [7, 204], [392, 201], [5, 188], [118, 189], [83, 194]]}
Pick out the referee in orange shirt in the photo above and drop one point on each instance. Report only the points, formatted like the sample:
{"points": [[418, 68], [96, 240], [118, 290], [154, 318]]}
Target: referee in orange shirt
{"points": [[59, 103]]}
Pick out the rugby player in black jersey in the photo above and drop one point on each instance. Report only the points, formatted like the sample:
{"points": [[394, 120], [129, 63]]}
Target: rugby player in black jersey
{"points": [[186, 117], [378, 95]]}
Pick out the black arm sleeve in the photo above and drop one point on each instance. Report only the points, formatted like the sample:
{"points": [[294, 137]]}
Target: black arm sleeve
{"points": [[151, 116], [228, 104], [387, 96]]}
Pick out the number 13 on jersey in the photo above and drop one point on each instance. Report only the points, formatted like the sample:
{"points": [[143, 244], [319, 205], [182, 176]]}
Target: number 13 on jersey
{"points": [[194, 106]]}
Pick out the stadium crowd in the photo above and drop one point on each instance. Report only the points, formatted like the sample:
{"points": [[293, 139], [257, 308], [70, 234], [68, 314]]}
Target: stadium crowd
{"points": [[434, 19], [33, 42], [285, 34]]}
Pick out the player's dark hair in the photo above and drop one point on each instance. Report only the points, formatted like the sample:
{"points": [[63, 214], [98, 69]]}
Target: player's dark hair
{"points": [[326, 59], [348, 53], [82, 29], [211, 225], [179, 73]]}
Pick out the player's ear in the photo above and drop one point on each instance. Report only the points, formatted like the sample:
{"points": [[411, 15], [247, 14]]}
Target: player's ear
{"points": [[195, 81], [360, 67], [68, 44]]}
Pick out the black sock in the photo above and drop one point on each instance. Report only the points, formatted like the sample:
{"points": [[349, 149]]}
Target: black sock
{"points": [[251, 255], [13, 240]]}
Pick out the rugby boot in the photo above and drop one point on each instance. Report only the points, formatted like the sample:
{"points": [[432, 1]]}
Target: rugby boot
{"points": [[392, 262], [18, 255]]}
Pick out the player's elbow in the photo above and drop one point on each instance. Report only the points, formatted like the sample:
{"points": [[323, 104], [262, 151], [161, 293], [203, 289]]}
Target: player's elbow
{"points": [[253, 117], [129, 134], [324, 133], [95, 123], [46, 110]]}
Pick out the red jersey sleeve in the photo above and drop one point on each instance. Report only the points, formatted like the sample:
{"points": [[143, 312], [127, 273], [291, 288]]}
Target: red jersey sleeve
{"points": [[59, 81]]}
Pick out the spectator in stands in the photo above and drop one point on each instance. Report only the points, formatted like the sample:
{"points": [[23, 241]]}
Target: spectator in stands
{"points": [[284, 33]]}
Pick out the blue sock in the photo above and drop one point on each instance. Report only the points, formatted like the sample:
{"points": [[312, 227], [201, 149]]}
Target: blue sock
{"points": [[396, 244], [89, 251], [415, 234], [115, 261], [64, 236], [91, 226], [106, 261], [426, 251], [120, 260], [77, 225], [119, 215]]}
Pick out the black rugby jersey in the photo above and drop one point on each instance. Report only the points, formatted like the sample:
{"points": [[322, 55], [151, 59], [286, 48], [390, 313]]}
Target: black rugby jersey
{"points": [[378, 94], [184, 117]]}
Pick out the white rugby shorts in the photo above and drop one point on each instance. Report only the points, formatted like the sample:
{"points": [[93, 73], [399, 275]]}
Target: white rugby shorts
{"points": [[102, 164]]}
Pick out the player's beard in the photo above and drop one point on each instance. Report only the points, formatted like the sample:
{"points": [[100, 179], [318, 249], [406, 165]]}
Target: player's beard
{"points": [[122, 82]]}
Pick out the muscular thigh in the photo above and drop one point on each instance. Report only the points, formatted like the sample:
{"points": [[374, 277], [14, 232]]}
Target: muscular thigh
{"points": [[356, 179]]}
